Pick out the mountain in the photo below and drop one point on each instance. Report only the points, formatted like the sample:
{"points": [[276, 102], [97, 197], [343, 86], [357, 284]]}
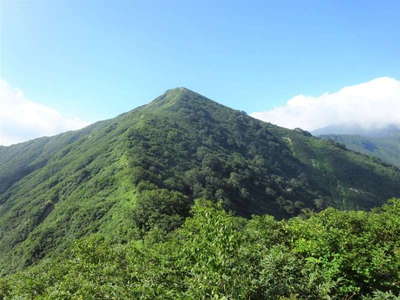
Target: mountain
{"points": [[383, 144], [357, 129], [142, 170], [385, 148]]}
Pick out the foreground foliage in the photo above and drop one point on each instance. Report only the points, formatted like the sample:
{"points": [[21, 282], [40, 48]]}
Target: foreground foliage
{"points": [[215, 255]]}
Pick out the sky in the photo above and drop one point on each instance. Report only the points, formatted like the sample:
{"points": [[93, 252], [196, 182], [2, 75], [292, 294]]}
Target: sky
{"points": [[67, 63]]}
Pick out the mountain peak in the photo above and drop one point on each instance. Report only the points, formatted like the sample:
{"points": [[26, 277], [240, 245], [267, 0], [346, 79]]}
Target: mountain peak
{"points": [[180, 92], [177, 96]]}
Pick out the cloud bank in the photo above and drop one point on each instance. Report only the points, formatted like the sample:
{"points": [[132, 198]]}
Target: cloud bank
{"points": [[373, 104], [22, 119]]}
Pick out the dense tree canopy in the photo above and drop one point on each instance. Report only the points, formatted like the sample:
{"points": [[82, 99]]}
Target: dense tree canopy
{"points": [[215, 255]]}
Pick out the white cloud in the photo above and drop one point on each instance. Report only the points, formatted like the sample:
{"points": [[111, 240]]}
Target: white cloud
{"points": [[372, 104], [22, 119]]}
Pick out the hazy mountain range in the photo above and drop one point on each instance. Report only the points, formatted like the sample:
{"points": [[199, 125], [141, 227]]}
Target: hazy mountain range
{"points": [[380, 142]]}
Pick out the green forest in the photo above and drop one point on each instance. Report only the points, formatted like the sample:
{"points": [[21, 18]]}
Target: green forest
{"points": [[184, 198], [216, 255]]}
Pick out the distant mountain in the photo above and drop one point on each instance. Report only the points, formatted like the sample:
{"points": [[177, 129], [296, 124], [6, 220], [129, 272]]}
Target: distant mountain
{"points": [[356, 129], [384, 146], [143, 169], [380, 142]]}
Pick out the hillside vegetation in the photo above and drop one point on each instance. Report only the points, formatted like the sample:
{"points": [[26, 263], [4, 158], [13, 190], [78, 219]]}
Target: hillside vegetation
{"points": [[141, 172], [215, 255]]}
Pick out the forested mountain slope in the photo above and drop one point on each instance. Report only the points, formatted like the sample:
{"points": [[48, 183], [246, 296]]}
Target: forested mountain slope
{"points": [[19, 160], [143, 170]]}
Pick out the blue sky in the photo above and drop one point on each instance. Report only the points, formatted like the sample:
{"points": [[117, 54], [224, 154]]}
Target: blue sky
{"points": [[94, 59]]}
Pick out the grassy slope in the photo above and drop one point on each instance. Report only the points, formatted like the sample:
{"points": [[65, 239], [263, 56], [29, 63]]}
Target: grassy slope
{"points": [[86, 181]]}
